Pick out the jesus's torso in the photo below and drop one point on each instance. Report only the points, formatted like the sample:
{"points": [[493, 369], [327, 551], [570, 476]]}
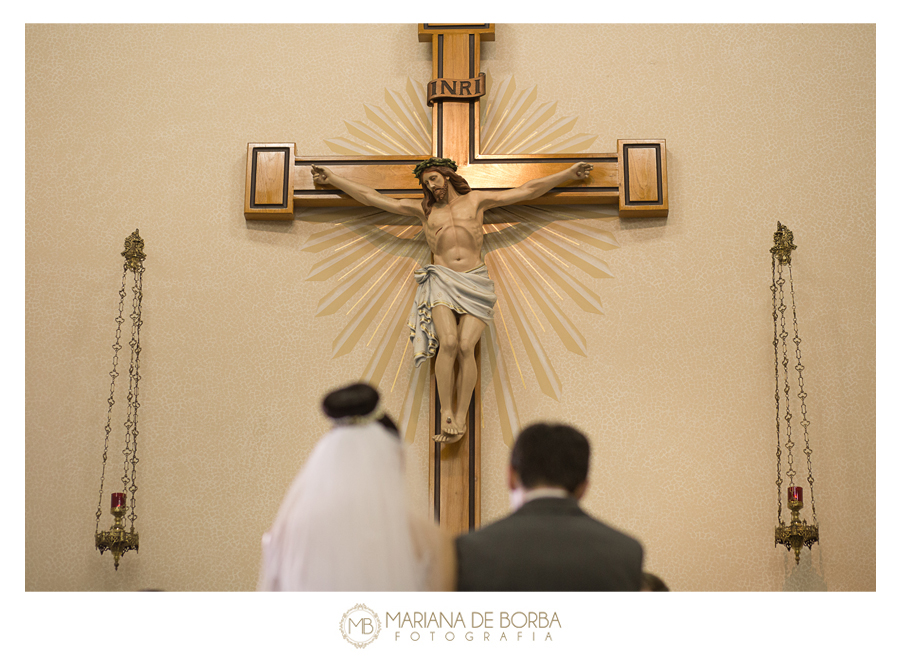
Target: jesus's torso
{"points": [[454, 232]]}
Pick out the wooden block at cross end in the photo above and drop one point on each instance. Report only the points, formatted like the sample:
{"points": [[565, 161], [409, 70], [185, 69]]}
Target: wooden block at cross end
{"points": [[643, 188], [269, 191]]}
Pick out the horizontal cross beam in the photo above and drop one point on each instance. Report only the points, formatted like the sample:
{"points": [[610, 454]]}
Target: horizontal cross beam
{"points": [[634, 177]]}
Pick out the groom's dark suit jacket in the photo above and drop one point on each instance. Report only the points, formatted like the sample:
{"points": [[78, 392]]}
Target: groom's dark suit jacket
{"points": [[549, 544]]}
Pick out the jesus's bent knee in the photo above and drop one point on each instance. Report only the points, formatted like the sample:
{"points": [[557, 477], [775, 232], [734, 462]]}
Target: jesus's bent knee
{"points": [[466, 346], [449, 344]]}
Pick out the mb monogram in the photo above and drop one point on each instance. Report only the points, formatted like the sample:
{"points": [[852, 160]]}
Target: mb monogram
{"points": [[360, 626]]}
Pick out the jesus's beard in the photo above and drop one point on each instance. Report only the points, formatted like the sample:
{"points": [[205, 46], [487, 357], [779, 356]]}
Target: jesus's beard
{"points": [[440, 194]]}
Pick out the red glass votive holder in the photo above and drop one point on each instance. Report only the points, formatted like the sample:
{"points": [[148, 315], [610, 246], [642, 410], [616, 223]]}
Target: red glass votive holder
{"points": [[795, 494], [118, 500]]}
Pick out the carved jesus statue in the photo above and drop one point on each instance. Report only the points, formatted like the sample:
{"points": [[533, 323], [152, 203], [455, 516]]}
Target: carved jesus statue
{"points": [[455, 299]]}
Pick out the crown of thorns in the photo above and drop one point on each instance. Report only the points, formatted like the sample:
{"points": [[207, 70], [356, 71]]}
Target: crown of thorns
{"points": [[433, 162]]}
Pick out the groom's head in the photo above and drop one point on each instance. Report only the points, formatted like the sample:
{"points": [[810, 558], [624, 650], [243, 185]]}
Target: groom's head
{"points": [[547, 455]]}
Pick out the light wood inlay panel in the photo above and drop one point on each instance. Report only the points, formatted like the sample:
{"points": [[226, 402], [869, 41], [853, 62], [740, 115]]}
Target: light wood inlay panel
{"points": [[269, 177], [642, 174]]}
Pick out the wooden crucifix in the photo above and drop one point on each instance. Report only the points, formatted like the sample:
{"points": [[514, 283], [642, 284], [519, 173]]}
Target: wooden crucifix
{"points": [[634, 177]]}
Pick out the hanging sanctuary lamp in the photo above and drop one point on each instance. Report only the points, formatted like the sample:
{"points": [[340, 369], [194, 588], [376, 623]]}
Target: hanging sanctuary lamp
{"points": [[797, 533], [118, 540]]}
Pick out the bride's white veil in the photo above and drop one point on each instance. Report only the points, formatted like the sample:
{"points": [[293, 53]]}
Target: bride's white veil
{"points": [[344, 523]]}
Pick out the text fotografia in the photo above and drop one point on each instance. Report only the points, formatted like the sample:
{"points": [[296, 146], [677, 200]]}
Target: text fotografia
{"points": [[480, 626]]}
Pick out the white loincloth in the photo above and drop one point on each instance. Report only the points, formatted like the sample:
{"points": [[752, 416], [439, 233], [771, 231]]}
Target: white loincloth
{"points": [[469, 292]]}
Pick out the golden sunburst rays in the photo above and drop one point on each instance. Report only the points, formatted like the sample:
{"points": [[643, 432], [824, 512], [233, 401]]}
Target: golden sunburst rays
{"points": [[530, 263], [507, 413], [405, 129], [513, 122], [540, 258]]}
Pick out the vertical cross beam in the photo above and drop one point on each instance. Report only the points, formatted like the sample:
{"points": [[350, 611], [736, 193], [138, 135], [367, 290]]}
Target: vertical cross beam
{"points": [[456, 55], [455, 469]]}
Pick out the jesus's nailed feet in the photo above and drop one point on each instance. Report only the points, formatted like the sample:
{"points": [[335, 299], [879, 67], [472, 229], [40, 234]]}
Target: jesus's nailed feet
{"points": [[444, 437]]}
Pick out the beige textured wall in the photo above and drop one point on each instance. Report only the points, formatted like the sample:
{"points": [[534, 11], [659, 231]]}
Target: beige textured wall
{"points": [[146, 127]]}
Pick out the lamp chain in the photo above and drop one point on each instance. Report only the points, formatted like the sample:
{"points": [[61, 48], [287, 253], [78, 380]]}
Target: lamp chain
{"points": [[117, 345], [129, 482], [785, 362], [779, 481], [802, 395]]}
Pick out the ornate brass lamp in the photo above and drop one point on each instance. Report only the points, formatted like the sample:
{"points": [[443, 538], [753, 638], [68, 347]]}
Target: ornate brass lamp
{"points": [[798, 533], [117, 539]]}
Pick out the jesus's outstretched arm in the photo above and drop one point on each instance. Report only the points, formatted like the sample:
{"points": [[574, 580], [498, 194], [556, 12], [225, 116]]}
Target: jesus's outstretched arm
{"points": [[365, 194], [536, 188]]}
